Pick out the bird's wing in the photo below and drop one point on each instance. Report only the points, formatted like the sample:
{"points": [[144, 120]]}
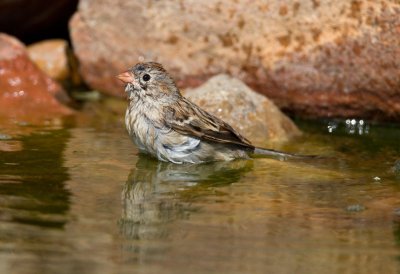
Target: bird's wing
{"points": [[188, 119]]}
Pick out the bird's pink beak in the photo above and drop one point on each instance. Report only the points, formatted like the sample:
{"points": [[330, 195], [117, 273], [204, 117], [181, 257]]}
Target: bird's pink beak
{"points": [[126, 77]]}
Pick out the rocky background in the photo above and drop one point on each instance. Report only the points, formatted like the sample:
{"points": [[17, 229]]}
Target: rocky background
{"points": [[312, 58]]}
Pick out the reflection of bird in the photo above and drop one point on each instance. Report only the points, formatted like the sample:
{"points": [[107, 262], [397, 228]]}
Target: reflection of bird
{"points": [[168, 126], [155, 192]]}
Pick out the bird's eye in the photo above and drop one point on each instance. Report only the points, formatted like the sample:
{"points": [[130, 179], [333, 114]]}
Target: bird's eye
{"points": [[146, 77]]}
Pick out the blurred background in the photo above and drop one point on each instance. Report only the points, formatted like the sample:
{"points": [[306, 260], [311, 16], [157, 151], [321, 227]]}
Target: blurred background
{"points": [[317, 77], [314, 59]]}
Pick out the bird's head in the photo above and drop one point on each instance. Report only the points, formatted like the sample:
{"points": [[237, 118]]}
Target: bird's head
{"points": [[149, 81]]}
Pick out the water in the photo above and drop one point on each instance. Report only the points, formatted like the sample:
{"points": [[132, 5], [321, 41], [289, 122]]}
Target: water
{"points": [[75, 197]]}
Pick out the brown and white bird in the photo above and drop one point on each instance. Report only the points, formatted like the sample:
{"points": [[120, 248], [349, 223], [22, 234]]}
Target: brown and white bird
{"points": [[169, 127]]}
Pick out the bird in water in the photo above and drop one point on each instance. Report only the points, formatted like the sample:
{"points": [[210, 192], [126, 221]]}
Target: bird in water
{"points": [[171, 128]]}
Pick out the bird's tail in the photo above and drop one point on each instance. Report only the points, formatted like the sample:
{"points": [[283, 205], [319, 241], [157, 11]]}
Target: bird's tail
{"points": [[279, 155]]}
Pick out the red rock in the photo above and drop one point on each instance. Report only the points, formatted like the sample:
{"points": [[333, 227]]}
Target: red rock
{"points": [[25, 91], [314, 58]]}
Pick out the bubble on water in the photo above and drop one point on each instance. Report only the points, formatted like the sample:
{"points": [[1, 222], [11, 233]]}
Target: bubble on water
{"points": [[332, 126], [355, 208], [350, 126], [354, 126]]}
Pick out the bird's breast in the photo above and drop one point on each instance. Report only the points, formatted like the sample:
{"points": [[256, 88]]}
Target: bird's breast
{"points": [[141, 128]]}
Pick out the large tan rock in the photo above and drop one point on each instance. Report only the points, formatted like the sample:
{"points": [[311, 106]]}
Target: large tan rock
{"points": [[26, 92], [51, 57], [252, 114], [315, 58]]}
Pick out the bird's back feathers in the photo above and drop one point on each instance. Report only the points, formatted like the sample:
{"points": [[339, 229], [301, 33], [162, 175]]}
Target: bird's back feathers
{"points": [[189, 119]]}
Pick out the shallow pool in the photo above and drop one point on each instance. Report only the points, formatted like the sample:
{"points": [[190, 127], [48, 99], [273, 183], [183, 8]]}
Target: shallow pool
{"points": [[75, 197]]}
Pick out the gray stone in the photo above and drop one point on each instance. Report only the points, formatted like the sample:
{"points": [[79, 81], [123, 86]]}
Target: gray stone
{"points": [[253, 115]]}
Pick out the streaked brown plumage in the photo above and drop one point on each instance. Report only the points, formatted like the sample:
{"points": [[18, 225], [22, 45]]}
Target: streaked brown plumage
{"points": [[168, 126]]}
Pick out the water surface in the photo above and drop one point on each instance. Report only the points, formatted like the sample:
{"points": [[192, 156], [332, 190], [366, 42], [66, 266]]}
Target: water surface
{"points": [[75, 197]]}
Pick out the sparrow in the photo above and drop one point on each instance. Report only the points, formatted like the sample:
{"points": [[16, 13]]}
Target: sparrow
{"points": [[168, 126]]}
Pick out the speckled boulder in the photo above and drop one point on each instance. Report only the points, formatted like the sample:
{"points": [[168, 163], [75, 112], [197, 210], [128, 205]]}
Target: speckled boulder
{"points": [[26, 92], [252, 114], [334, 58]]}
